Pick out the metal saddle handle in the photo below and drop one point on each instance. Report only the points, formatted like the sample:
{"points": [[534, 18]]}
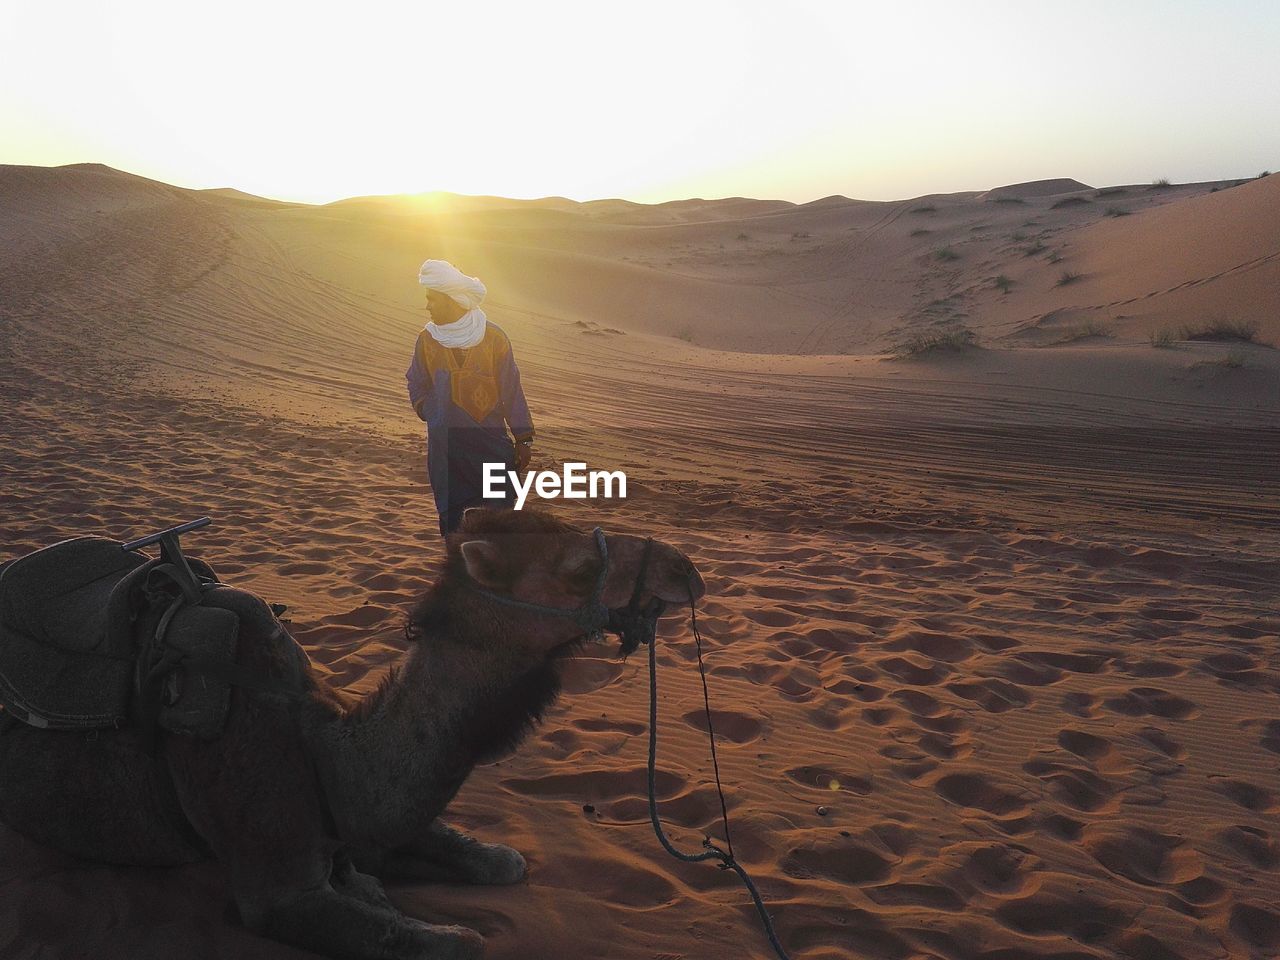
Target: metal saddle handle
{"points": [[171, 554]]}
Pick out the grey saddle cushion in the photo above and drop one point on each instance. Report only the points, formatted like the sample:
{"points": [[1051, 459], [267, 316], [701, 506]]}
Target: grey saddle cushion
{"points": [[66, 633]]}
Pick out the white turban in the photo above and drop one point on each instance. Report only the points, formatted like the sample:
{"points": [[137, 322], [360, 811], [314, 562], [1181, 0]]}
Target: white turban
{"points": [[444, 276], [467, 292]]}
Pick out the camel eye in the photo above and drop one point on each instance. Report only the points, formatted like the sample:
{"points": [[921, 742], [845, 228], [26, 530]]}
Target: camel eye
{"points": [[584, 574]]}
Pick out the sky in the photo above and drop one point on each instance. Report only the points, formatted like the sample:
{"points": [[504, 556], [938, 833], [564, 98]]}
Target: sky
{"points": [[648, 101]]}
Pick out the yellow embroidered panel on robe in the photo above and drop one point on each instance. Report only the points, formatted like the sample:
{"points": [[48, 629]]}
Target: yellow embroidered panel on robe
{"points": [[473, 384], [474, 391]]}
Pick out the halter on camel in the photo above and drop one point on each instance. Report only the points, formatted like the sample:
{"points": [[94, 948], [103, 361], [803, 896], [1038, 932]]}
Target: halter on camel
{"points": [[636, 626], [633, 624]]}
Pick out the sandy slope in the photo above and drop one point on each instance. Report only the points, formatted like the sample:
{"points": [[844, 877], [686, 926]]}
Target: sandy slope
{"points": [[1008, 618]]}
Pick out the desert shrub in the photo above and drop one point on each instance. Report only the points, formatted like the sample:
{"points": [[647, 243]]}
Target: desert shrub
{"points": [[946, 253], [1055, 257], [952, 340], [799, 235], [1009, 200], [1067, 277], [927, 208], [1002, 283], [1116, 212], [1162, 338], [1221, 331], [920, 232], [1111, 192], [685, 334], [1083, 331], [1161, 184], [1017, 236], [1035, 248], [744, 236], [1068, 202]]}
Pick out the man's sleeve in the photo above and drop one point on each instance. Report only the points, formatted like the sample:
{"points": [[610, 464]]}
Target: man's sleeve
{"points": [[514, 405], [420, 386]]}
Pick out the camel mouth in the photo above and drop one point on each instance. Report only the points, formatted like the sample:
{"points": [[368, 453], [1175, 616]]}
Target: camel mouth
{"points": [[635, 624]]}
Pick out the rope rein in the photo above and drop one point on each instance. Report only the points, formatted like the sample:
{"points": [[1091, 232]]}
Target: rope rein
{"points": [[712, 852]]}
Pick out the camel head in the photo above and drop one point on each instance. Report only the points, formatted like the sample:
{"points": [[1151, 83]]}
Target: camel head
{"points": [[528, 564]]}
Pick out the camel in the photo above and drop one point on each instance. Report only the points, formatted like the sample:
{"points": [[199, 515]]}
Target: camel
{"points": [[308, 800]]}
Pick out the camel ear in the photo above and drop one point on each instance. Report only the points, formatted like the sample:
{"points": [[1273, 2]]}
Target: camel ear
{"points": [[484, 563], [471, 513]]}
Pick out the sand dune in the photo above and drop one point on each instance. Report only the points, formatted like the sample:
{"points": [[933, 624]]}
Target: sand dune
{"points": [[992, 638]]}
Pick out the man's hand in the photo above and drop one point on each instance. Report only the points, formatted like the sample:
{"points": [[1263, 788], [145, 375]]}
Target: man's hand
{"points": [[524, 453]]}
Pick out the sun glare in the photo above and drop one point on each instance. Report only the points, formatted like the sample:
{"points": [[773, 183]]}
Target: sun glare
{"points": [[590, 100]]}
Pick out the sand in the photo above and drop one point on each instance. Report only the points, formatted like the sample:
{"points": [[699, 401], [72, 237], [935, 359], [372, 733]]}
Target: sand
{"points": [[991, 637]]}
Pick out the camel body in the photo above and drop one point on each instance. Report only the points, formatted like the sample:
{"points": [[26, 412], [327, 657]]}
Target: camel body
{"points": [[306, 800]]}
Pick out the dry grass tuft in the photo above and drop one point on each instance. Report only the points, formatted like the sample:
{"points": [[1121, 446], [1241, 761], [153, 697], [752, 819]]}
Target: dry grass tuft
{"points": [[1221, 331], [953, 340]]}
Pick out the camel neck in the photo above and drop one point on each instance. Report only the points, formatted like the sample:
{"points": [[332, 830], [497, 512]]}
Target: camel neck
{"points": [[453, 702]]}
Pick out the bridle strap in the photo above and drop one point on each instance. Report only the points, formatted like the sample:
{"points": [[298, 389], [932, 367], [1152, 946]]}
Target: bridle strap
{"points": [[633, 605], [592, 616]]}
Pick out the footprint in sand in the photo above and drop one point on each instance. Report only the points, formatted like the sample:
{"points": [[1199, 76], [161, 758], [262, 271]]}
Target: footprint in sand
{"points": [[994, 642], [1062, 826], [1200, 897], [1252, 845], [999, 869], [729, 724], [909, 762], [1248, 795], [913, 672], [1162, 742], [1271, 736], [1063, 912], [1084, 745], [934, 646], [992, 694], [771, 617], [918, 896], [918, 702], [979, 791], [866, 692], [1144, 856], [1149, 669], [844, 861], [1141, 701], [1075, 786], [944, 747], [1029, 674], [627, 883], [697, 808], [1257, 925], [1234, 668], [879, 716]]}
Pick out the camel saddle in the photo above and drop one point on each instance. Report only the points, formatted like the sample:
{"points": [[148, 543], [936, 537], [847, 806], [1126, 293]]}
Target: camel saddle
{"points": [[94, 634]]}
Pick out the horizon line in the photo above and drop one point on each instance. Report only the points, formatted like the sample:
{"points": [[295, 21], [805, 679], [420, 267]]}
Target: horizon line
{"points": [[641, 203]]}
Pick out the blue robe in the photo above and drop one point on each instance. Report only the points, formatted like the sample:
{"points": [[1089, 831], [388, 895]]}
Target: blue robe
{"points": [[468, 397]]}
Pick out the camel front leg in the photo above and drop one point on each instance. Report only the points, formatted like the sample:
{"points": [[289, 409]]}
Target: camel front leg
{"points": [[334, 925], [448, 854]]}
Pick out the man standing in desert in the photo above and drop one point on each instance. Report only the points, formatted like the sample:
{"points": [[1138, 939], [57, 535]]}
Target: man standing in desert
{"points": [[463, 381]]}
